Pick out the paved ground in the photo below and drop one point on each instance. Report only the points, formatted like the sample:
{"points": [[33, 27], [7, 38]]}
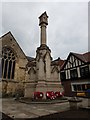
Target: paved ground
{"points": [[67, 115], [21, 110], [16, 109]]}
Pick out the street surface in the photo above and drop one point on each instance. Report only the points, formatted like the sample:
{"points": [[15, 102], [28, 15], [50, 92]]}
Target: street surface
{"points": [[16, 109]]}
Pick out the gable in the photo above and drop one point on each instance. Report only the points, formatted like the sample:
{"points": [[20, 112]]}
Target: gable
{"points": [[72, 61], [47, 56], [9, 41], [32, 70], [55, 69]]}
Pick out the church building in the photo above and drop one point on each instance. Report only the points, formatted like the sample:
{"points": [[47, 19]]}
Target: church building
{"points": [[25, 75]]}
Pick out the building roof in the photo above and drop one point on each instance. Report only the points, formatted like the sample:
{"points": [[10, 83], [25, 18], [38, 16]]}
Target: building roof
{"points": [[30, 58], [43, 14], [31, 61], [5, 34], [9, 37], [83, 57], [58, 61]]}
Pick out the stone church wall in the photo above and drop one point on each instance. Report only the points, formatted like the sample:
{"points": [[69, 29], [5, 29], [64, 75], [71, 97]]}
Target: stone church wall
{"points": [[10, 87]]}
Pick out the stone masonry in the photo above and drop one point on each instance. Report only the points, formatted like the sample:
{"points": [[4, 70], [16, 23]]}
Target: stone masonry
{"points": [[30, 74]]}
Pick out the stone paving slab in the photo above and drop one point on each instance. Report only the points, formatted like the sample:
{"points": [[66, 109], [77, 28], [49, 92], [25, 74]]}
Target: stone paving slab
{"points": [[22, 110], [23, 115]]}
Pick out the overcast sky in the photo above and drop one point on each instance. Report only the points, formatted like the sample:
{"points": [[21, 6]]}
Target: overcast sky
{"points": [[67, 30]]}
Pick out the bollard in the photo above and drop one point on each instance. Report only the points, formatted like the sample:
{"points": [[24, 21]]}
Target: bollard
{"points": [[75, 103]]}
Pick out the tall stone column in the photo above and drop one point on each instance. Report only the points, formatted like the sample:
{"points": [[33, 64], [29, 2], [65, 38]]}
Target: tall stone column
{"points": [[47, 76], [43, 34], [43, 50], [43, 22], [42, 56]]}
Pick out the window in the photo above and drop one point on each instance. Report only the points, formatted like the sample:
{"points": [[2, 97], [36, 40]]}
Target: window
{"points": [[81, 87], [63, 76], [84, 72], [84, 87], [8, 63], [88, 86], [75, 87], [73, 73]]}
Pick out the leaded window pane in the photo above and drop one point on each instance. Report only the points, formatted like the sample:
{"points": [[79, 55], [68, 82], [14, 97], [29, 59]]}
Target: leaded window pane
{"points": [[84, 71], [5, 68], [13, 69], [9, 69], [73, 73], [8, 63]]}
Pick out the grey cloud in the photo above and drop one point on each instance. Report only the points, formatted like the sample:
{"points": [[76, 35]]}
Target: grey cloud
{"points": [[66, 32]]}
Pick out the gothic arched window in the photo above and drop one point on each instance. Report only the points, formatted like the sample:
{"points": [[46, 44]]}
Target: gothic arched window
{"points": [[8, 63]]}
